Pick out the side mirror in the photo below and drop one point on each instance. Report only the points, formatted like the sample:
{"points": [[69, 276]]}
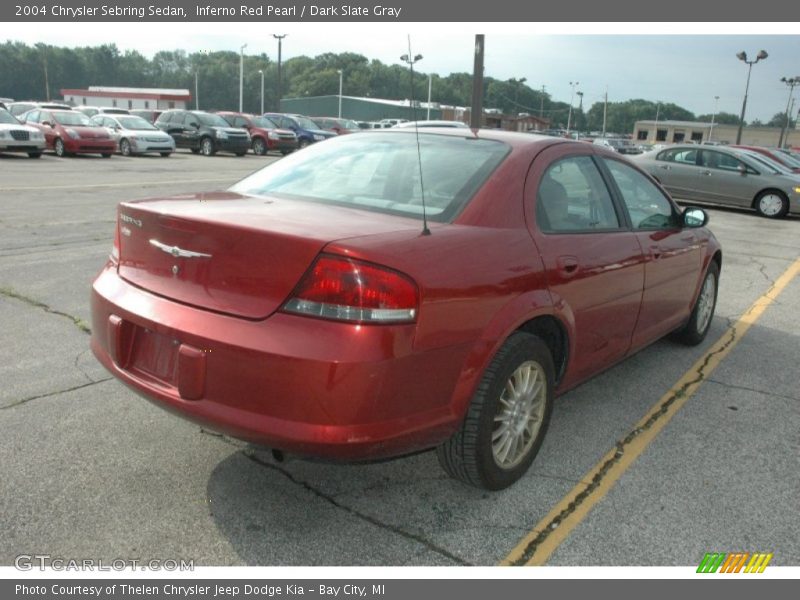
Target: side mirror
{"points": [[742, 170], [694, 217], [194, 125]]}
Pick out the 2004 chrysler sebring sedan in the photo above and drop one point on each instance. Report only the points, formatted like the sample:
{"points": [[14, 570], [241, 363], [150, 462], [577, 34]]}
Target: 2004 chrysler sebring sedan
{"points": [[310, 309]]}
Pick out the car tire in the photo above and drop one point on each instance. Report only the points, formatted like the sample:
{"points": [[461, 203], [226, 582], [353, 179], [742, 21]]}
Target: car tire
{"points": [[259, 147], [166, 154], [207, 147], [35, 154], [772, 204], [59, 148], [302, 143], [493, 456], [124, 147], [699, 323], [285, 152]]}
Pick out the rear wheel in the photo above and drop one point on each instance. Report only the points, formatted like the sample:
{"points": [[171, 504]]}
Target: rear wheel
{"points": [[125, 147], [772, 204], [699, 323], [259, 147], [207, 147], [507, 418]]}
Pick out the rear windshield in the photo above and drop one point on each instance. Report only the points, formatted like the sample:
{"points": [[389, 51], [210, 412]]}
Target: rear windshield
{"points": [[381, 172]]}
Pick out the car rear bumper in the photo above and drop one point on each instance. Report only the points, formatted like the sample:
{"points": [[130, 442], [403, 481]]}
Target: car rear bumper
{"points": [[302, 385]]}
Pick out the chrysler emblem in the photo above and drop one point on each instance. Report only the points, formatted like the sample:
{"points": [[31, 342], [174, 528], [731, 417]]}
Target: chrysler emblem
{"points": [[178, 252]]}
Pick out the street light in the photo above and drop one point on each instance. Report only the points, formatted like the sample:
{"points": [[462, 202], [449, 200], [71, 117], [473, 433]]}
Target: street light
{"points": [[241, 75], [340, 91], [410, 61], [713, 116], [742, 56], [573, 85], [280, 39], [261, 72], [791, 82]]}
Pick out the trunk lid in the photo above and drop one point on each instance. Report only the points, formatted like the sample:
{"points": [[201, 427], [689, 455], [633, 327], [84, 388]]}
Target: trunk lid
{"points": [[230, 253]]}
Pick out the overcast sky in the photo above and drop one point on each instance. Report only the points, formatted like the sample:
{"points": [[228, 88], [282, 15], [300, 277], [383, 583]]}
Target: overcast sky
{"points": [[688, 70]]}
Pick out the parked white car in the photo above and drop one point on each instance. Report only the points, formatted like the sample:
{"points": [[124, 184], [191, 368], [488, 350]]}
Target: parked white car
{"points": [[18, 137], [135, 135]]}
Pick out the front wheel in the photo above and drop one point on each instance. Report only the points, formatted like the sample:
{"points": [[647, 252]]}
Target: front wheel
{"points": [[696, 329], [507, 418], [259, 147], [125, 148], [207, 147], [59, 148], [772, 204]]}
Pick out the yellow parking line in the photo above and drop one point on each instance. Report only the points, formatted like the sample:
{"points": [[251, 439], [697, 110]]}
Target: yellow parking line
{"points": [[537, 547], [102, 185]]}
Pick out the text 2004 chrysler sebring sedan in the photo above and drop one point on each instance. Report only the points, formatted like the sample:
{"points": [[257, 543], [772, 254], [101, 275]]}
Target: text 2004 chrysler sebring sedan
{"points": [[309, 310]]}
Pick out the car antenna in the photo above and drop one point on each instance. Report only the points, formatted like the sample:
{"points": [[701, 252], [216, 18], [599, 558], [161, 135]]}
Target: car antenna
{"points": [[411, 59]]}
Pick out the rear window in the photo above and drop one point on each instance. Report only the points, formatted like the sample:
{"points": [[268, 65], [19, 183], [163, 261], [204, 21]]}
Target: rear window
{"points": [[381, 172]]}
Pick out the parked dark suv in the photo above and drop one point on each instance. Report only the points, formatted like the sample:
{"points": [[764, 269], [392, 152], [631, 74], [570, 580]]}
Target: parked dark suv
{"points": [[203, 132], [306, 130]]}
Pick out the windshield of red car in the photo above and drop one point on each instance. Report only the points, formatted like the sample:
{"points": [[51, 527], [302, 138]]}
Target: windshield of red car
{"points": [[264, 123], [73, 118], [381, 172]]}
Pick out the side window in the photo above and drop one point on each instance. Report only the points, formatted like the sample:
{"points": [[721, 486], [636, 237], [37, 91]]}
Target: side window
{"points": [[647, 206], [719, 160], [572, 196], [33, 117], [679, 155]]}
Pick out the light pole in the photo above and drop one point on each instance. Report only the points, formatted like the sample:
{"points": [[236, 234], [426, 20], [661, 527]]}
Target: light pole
{"points": [[410, 62], [742, 56], [655, 127], [713, 116], [261, 72], [280, 94], [541, 102], [196, 93], [430, 86], [241, 75], [341, 72], [573, 85], [791, 82]]}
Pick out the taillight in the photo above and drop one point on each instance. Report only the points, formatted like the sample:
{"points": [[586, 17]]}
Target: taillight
{"points": [[115, 248], [345, 289]]}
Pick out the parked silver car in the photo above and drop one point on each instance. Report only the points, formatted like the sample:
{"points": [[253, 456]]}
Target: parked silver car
{"points": [[134, 135], [18, 137], [621, 145], [723, 176]]}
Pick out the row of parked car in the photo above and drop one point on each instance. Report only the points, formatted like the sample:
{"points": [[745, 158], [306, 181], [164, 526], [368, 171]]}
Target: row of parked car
{"points": [[33, 127]]}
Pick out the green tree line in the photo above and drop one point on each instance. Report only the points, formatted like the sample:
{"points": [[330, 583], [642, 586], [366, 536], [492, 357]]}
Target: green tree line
{"points": [[41, 71]]}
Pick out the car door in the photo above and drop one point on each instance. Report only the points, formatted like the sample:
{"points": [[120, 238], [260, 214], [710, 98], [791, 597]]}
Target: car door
{"points": [[47, 123], [723, 178], [593, 262], [676, 169], [673, 255]]}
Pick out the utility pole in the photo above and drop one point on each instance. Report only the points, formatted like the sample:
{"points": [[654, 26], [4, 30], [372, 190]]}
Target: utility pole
{"points": [[241, 75], [430, 84], [605, 112], [476, 112], [791, 82], [541, 104], [280, 94], [713, 117], [573, 85]]}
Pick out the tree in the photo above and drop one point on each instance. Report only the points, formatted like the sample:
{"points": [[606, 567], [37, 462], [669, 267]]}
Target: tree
{"points": [[721, 118]]}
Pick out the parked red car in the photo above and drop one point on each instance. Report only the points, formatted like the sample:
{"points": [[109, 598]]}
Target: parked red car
{"points": [[71, 132], [779, 157], [338, 126], [324, 307], [265, 134]]}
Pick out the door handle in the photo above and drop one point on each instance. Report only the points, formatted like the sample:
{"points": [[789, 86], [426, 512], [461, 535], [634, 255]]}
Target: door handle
{"points": [[655, 252], [568, 265]]}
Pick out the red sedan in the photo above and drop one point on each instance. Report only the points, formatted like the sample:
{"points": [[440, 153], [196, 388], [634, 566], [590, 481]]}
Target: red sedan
{"points": [[776, 155], [372, 295], [69, 132]]}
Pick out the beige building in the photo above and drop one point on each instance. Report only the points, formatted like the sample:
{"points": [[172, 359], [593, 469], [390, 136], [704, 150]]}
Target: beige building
{"points": [[675, 132]]}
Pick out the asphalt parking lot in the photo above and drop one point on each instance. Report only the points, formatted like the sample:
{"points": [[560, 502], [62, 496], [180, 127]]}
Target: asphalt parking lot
{"points": [[90, 470]]}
